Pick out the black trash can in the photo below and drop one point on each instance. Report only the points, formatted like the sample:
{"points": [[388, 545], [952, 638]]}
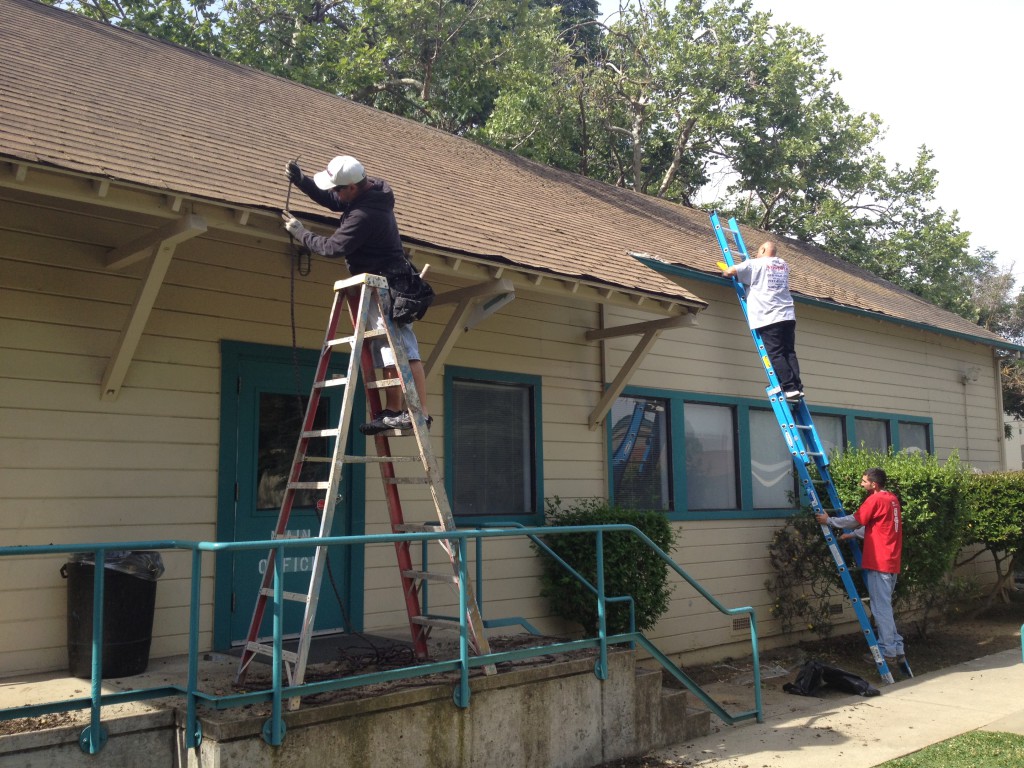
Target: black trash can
{"points": [[129, 601]]}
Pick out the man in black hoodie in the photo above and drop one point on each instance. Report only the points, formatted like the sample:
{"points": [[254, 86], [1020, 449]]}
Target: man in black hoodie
{"points": [[368, 239]]}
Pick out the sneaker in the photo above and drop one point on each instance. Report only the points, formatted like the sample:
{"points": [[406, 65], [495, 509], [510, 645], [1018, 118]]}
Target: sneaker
{"points": [[793, 395], [903, 666], [403, 421], [889, 660], [377, 425]]}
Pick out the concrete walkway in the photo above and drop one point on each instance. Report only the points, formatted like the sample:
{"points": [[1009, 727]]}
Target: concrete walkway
{"points": [[855, 732]]}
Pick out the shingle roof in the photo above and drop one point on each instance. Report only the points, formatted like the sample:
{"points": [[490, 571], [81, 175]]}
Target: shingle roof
{"points": [[95, 99]]}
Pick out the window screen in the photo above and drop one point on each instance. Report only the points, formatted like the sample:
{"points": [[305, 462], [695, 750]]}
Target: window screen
{"points": [[710, 457], [873, 434], [771, 465], [492, 449]]}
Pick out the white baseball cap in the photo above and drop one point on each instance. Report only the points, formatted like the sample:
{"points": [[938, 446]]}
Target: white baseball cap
{"points": [[341, 171]]}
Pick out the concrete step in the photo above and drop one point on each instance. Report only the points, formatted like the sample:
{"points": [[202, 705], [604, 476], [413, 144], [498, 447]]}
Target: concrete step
{"points": [[679, 721], [671, 715]]}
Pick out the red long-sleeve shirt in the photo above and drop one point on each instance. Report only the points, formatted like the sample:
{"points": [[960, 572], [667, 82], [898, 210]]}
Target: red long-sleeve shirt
{"points": [[882, 518]]}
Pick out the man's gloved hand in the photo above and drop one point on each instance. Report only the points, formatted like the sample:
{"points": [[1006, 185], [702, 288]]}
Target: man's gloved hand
{"points": [[294, 172], [293, 225]]}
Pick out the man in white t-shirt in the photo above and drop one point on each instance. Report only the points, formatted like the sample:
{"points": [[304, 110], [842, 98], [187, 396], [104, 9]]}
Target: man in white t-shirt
{"points": [[770, 312]]}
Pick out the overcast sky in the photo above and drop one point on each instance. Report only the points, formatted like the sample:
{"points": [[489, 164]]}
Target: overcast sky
{"points": [[938, 73]]}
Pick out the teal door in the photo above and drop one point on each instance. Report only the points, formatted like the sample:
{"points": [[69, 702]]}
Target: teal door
{"points": [[268, 389]]}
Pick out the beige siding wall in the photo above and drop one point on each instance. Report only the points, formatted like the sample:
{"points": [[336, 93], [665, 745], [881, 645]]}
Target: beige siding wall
{"points": [[846, 362], [75, 468]]}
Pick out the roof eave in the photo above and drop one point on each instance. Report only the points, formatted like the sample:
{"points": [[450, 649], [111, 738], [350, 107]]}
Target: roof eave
{"points": [[263, 222], [673, 271]]}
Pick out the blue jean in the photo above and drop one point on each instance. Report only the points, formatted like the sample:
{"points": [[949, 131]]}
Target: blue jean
{"points": [[383, 356], [880, 588]]}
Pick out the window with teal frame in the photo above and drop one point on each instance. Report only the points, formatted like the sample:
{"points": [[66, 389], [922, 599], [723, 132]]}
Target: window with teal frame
{"points": [[640, 456], [709, 457], [493, 446]]}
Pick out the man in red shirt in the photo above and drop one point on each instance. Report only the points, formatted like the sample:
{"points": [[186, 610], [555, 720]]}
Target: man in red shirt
{"points": [[879, 522]]}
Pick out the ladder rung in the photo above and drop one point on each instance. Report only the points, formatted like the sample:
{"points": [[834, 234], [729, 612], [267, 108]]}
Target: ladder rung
{"points": [[408, 480], [268, 650], [378, 459], [310, 486], [383, 383], [295, 597], [447, 578], [321, 433], [369, 333], [417, 528], [317, 459], [427, 621], [340, 381]]}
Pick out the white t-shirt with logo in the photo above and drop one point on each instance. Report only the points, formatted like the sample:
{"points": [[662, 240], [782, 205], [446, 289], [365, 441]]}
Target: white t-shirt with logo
{"points": [[768, 299]]}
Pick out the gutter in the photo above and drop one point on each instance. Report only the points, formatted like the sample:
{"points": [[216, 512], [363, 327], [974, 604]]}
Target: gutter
{"points": [[674, 270]]}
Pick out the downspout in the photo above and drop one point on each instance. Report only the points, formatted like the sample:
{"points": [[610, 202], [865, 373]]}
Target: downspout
{"points": [[1000, 416]]}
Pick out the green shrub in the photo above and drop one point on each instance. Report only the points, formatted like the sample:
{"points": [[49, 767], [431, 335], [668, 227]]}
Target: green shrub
{"points": [[995, 520], [805, 581], [934, 497], [631, 567]]}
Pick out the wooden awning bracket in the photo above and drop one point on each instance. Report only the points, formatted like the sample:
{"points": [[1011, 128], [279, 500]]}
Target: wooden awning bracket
{"points": [[649, 332], [474, 304], [159, 246]]}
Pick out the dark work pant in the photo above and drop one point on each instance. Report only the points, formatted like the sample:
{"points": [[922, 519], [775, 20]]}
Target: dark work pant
{"points": [[780, 344]]}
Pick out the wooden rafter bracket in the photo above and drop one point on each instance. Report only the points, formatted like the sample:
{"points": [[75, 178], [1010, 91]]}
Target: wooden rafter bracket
{"points": [[167, 236], [649, 332], [474, 303], [160, 244]]}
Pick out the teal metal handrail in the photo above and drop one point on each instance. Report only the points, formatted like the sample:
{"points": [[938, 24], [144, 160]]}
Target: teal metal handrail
{"points": [[94, 736]]}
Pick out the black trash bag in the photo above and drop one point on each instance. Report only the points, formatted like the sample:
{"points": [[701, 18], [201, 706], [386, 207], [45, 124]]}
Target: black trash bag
{"points": [[814, 677], [141, 564], [411, 297]]}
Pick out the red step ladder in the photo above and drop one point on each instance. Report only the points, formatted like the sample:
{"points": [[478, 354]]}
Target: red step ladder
{"points": [[358, 295]]}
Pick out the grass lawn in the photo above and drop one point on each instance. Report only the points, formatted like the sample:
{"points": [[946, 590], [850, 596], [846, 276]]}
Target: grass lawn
{"points": [[977, 749]]}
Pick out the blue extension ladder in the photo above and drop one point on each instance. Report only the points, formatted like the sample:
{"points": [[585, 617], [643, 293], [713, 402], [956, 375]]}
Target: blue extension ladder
{"points": [[806, 448]]}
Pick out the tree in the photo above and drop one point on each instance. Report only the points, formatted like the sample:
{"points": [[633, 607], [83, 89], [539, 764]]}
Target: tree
{"points": [[194, 25], [800, 157], [994, 521], [1000, 312]]}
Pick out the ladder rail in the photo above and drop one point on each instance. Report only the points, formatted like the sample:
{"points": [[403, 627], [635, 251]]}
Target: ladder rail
{"points": [[332, 494], [806, 448], [360, 295], [403, 553], [436, 483], [287, 500]]}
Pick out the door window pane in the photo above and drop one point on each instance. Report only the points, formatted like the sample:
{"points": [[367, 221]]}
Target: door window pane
{"points": [[711, 460], [640, 455], [492, 449], [280, 424], [913, 437], [873, 434], [771, 465]]}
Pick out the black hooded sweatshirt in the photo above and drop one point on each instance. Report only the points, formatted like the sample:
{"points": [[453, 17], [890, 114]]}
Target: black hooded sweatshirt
{"points": [[367, 237]]}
